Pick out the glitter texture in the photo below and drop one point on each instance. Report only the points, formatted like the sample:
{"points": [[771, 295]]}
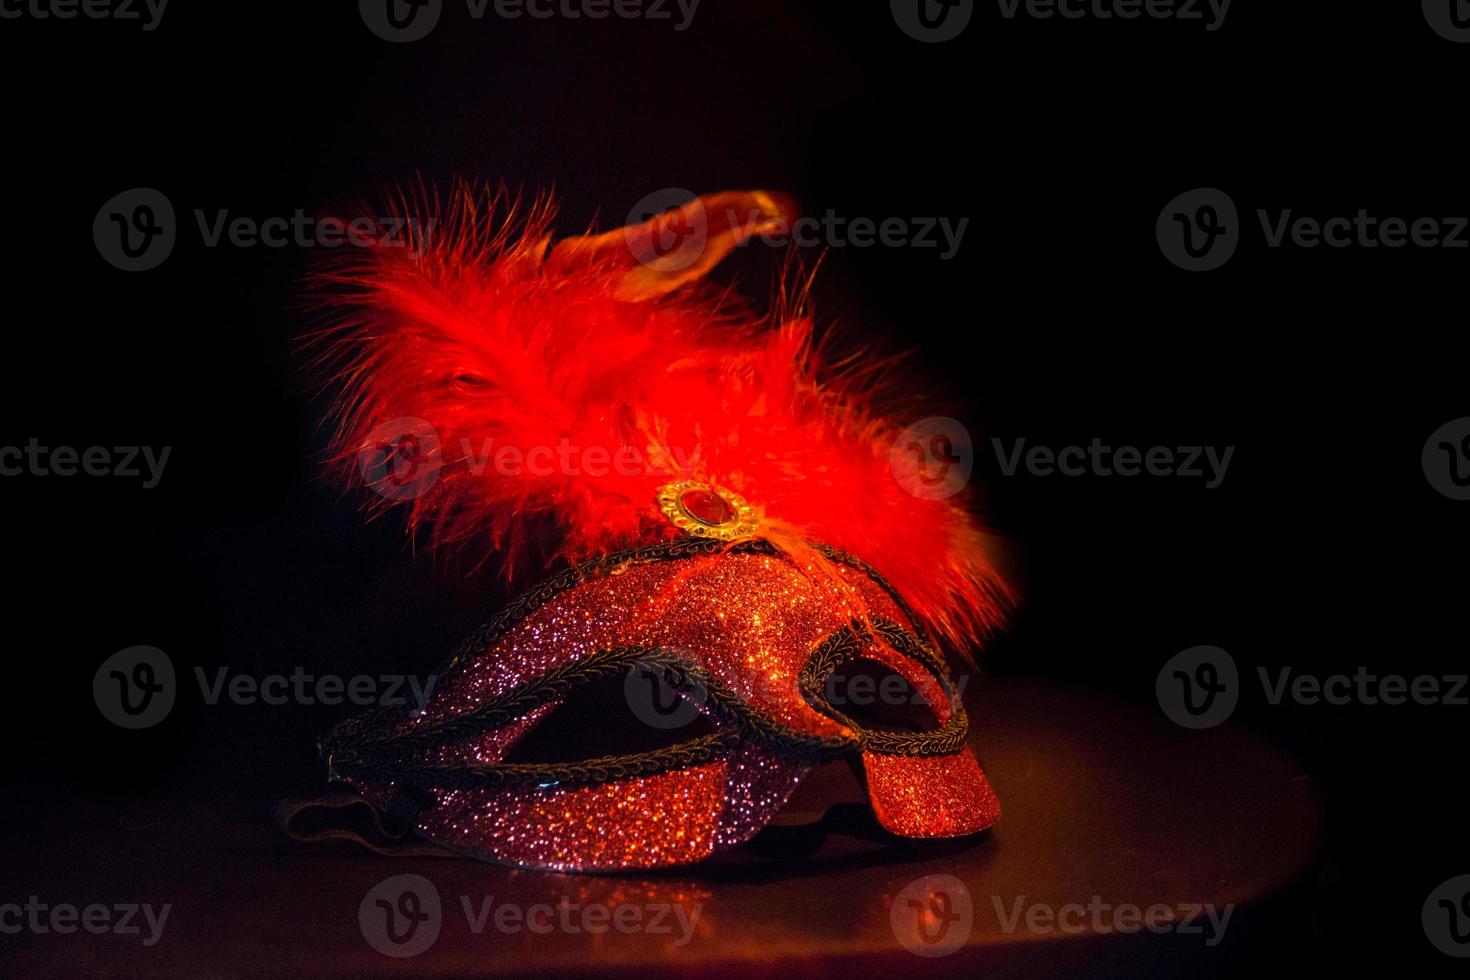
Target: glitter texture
{"points": [[752, 621], [931, 796]]}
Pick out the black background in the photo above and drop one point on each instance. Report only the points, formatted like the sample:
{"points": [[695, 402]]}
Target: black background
{"points": [[1059, 320]]}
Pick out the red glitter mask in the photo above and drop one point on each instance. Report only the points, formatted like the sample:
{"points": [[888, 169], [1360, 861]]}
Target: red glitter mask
{"points": [[760, 543]]}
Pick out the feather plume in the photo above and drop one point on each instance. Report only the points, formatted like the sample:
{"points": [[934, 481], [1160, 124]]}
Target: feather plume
{"points": [[564, 385]]}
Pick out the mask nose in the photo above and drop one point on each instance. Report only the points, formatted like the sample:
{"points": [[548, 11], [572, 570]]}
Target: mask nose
{"points": [[930, 796], [922, 780]]}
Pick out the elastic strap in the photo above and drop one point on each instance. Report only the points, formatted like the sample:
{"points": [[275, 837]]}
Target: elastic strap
{"points": [[348, 818]]}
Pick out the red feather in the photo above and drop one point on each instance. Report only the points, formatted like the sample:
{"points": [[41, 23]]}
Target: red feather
{"points": [[499, 340]]}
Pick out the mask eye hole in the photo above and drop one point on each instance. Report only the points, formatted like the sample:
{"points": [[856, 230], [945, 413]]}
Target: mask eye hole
{"points": [[624, 714], [878, 698]]}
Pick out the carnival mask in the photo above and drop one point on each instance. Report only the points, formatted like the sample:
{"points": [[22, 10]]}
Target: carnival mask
{"points": [[728, 510]]}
